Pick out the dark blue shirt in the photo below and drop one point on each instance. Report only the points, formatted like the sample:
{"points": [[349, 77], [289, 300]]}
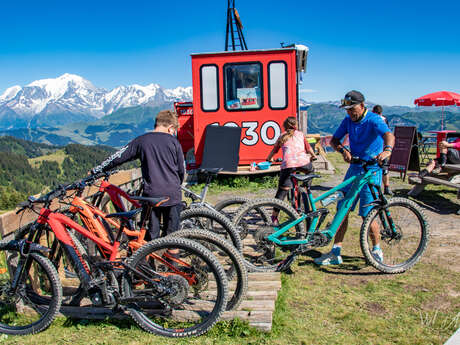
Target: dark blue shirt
{"points": [[162, 164], [366, 135]]}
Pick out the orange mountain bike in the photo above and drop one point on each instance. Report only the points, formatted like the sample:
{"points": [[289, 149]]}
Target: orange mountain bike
{"points": [[169, 298]]}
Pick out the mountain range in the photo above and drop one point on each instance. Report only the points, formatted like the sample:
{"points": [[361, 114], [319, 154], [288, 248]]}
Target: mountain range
{"points": [[70, 109], [71, 98]]}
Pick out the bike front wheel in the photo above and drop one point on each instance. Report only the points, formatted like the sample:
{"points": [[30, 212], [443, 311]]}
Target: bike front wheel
{"points": [[174, 287], [37, 300], [402, 231]]}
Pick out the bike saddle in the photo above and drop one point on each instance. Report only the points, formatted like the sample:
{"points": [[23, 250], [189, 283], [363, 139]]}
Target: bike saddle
{"points": [[151, 200], [304, 178], [211, 171], [124, 215]]}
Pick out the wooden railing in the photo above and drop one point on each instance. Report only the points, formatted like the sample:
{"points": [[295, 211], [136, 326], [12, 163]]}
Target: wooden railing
{"points": [[10, 221]]}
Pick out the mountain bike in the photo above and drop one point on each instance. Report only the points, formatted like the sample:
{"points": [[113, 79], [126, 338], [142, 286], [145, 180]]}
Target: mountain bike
{"points": [[227, 207], [402, 224], [111, 198], [163, 286], [104, 226]]}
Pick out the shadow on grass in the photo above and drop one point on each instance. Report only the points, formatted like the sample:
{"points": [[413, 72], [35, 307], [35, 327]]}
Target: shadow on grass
{"points": [[125, 323], [433, 200], [352, 265]]}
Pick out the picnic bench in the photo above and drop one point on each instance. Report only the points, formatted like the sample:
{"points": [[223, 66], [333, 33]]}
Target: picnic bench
{"points": [[449, 176]]}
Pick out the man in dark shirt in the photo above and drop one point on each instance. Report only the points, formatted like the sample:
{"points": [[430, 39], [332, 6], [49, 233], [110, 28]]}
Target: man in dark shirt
{"points": [[162, 165]]}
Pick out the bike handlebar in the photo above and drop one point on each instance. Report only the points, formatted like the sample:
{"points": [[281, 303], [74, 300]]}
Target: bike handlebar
{"points": [[366, 163], [61, 190]]}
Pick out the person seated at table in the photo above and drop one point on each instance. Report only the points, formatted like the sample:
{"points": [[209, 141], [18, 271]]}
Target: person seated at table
{"points": [[450, 153]]}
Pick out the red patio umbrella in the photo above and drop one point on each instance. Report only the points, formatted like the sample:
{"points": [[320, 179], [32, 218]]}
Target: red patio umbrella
{"points": [[439, 99]]}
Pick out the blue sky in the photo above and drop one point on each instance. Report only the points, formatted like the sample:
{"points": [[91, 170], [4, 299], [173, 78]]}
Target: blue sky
{"points": [[393, 51]]}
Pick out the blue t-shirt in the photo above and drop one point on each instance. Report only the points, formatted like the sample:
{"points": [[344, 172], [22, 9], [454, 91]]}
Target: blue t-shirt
{"points": [[366, 135]]}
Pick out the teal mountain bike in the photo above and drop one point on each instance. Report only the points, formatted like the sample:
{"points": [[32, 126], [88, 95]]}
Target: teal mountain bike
{"points": [[402, 225]]}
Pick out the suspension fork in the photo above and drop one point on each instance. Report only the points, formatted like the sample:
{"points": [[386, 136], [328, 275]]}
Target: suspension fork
{"points": [[25, 261], [383, 210]]}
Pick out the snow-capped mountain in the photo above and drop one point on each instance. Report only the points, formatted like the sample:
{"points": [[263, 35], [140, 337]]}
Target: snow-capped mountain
{"points": [[71, 98]]}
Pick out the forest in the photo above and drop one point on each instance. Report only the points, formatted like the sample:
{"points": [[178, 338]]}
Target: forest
{"points": [[19, 178]]}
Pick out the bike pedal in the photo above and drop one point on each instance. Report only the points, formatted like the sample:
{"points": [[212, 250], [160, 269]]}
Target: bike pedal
{"points": [[285, 265]]}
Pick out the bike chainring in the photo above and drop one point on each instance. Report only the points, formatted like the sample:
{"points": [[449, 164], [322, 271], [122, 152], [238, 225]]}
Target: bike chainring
{"points": [[179, 287], [263, 244], [201, 277]]}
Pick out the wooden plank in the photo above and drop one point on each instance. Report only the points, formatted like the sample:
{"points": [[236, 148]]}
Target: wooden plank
{"points": [[264, 276], [452, 167], [257, 305], [439, 181], [262, 326]]}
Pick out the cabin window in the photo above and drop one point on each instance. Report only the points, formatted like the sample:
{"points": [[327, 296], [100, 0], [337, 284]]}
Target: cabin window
{"points": [[243, 86], [209, 88], [277, 85]]}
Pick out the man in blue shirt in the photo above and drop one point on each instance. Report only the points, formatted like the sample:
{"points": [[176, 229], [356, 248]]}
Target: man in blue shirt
{"points": [[368, 134]]}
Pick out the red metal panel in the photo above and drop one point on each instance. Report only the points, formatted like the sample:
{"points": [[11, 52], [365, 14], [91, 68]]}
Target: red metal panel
{"points": [[258, 125]]}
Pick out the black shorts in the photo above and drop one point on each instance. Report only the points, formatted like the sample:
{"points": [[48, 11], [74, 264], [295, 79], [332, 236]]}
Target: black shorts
{"points": [[285, 180], [168, 217], [453, 156]]}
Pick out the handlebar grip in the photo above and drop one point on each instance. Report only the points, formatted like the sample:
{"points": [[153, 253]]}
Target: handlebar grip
{"points": [[23, 204]]}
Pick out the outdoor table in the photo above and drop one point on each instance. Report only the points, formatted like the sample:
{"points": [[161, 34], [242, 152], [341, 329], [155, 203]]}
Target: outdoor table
{"points": [[443, 135]]}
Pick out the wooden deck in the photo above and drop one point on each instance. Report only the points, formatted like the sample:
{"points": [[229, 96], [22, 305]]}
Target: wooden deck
{"points": [[259, 304]]}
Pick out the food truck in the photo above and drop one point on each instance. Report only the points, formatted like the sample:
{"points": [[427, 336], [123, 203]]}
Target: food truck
{"points": [[252, 89]]}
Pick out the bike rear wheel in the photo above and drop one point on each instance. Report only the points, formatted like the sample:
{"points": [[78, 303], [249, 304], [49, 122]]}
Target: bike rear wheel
{"points": [[403, 247], [230, 259], [193, 282], [213, 221], [34, 306], [259, 253], [230, 207]]}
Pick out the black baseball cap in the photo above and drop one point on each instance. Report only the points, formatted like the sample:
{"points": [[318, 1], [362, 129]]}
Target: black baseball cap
{"points": [[351, 99]]}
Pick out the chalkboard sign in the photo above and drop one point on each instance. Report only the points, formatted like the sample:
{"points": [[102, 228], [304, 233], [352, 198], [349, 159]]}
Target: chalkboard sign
{"points": [[405, 152], [221, 147]]}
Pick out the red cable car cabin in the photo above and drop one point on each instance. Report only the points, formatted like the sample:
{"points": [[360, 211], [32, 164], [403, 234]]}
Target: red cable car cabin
{"points": [[255, 90]]}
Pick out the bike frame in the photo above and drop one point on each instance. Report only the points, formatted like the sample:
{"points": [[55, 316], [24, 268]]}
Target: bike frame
{"points": [[357, 182], [91, 217], [116, 195], [59, 224]]}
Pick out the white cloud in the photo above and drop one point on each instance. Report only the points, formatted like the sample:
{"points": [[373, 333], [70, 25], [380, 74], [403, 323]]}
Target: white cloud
{"points": [[308, 91]]}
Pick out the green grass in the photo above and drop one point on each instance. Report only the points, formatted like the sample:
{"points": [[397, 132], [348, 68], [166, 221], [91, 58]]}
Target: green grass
{"points": [[57, 156]]}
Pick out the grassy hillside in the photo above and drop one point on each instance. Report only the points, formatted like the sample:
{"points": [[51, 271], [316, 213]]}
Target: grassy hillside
{"points": [[24, 147], [22, 175]]}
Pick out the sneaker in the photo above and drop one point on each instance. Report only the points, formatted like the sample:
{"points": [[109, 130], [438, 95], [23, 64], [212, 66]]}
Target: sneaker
{"points": [[423, 173], [328, 259], [387, 191], [378, 254]]}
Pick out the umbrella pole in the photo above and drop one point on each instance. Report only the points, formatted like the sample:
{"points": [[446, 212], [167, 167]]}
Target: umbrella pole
{"points": [[442, 118]]}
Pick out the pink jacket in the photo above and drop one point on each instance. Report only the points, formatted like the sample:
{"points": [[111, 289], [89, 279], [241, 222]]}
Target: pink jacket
{"points": [[294, 151], [457, 144]]}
